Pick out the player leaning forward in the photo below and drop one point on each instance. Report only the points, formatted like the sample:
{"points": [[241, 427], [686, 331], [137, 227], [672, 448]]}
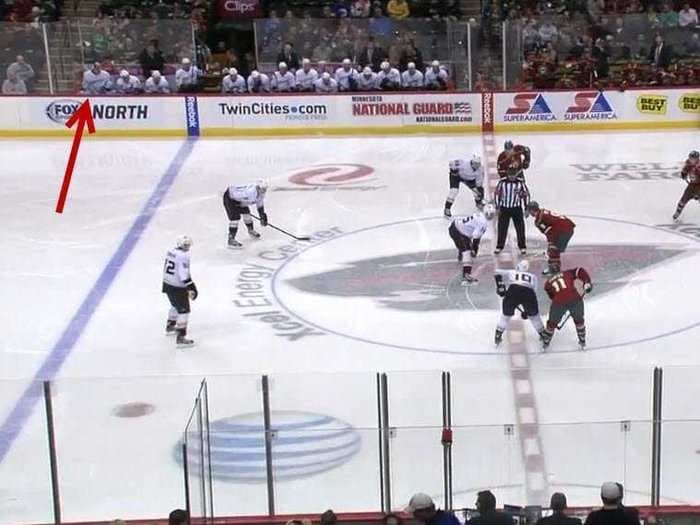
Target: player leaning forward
{"points": [[690, 174], [466, 233], [237, 203], [566, 290], [471, 174], [557, 228], [179, 287]]}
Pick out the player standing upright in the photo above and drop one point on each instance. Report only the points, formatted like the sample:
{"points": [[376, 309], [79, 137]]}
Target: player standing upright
{"points": [[466, 233], [566, 290], [557, 228], [517, 287], [513, 155], [690, 174], [471, 174], [237, 203], [179, 287]]}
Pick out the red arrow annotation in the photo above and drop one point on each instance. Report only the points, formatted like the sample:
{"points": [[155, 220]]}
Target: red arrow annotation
{"points": [[82, 115]]}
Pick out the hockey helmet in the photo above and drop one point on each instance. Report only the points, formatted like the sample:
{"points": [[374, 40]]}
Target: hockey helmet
{"points": [[184, 242], [533, 207], [475, 162], [262, 185], [489, 211], [508, 145], [523, 266], [694, 154]]}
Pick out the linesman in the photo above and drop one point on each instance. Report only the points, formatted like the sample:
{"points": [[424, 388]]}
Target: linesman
{"points": [[510, 198]]}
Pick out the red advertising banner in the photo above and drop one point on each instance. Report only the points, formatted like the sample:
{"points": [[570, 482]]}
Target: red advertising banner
{"points": [[239, 9]]}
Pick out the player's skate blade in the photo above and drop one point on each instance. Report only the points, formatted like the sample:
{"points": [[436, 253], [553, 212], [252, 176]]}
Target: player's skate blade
{"points": [[253, 234], [233, 244], [184, 342]]}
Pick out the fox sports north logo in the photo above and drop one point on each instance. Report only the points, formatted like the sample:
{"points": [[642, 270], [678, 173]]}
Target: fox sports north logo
{"points": [[303, 444], [60, 111]]}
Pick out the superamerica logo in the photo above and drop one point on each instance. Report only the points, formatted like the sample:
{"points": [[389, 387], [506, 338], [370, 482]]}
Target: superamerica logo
{"points": [[529, 107], [590, 105], [332, 177]]}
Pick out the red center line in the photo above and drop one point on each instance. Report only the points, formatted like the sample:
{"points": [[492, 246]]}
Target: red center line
{"points": [[531, 449]]}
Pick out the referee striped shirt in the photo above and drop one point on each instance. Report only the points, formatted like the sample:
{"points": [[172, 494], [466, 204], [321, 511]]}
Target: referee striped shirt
{"points": [[511, 194]]}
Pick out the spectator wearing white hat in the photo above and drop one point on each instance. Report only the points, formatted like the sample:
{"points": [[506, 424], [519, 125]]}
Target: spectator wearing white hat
{"points": [[156, 84], [128, 84], [326, 84], [422, 508], [187, 77], [346, 76], [96, 80], [233, 83], [13, 85], [412, 79], [258, 82], [367, 81], [307, 76], [388, 78], [283, 80], [436, 76], [612, 512]]}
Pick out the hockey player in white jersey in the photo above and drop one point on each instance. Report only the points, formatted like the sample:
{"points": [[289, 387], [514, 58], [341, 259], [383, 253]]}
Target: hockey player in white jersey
{"points": [[96, 80], [326, 84], [518, 289], [306, 76], [128, 84], [412, 79], [436, 76], [156, 83], [367, 81], [233, 83], [388, 77], [187, 77], [258, 82], [466, 233], [179, 287], [237, 203], [346, 76], [283, 80], [471, 174]]}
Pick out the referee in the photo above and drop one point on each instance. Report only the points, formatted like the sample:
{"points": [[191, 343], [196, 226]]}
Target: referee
{"points": [[511, 197]]}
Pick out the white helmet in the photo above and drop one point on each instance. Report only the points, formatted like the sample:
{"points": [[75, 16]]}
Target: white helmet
{"points": [[184, 242], [523, 266], [262, 185], [476, 162], [489, 211]]}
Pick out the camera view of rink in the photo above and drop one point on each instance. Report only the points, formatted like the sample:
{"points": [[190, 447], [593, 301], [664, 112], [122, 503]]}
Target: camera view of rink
{"points": [[377, 288]]}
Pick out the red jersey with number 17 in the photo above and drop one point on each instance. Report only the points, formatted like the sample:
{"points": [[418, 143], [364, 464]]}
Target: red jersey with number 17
{"points": [[552, 224], [561, 288]]}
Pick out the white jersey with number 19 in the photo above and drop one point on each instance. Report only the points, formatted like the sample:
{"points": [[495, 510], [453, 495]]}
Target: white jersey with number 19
{"points": [[176, 271], [526, 279]]}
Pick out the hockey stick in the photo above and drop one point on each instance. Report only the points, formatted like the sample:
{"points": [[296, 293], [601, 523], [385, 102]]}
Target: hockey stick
{"points": [[302, 238], [563, 321]]}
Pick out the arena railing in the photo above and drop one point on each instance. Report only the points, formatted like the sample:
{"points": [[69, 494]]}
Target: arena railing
{"points": [[95, 449]]}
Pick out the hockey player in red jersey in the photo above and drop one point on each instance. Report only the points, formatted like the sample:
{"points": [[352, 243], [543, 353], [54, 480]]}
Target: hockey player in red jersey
{"points": [[690, 174], [557, 228], [518, 155], [566, 290]]}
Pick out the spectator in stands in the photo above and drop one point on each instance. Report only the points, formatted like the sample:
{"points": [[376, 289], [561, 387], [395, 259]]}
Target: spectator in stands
{"points": [[436, 77], [548, 32], [371, 55], [306, 76], [411, 53], [233, 83], [611, 513], [379, 24], [531, 36], [360, 8], [156, 84], [633, 512], [558, 505], [329, 518], [687, 17], [151, 58], [13, 85], [258, 82], [22, 70], [392, 519], [668, 17], [128, 84], [486, 505], [422, 508], [660, 54], [323, 51], [692, 45], [326, 84], [451, 10], [398, 9], [96, 80], [412, 78], [289, 56], [178, 517], [367, 81], [283, 80], [600, 55], [388, 78], [187, 77], [346, 76]]}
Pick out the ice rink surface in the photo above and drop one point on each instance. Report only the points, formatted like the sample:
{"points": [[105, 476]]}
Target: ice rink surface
{"points": [[377, 289]]}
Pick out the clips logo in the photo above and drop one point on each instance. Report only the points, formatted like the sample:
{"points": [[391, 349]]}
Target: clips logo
{"points": [[529, 107], [652, 104], [590, 105]]}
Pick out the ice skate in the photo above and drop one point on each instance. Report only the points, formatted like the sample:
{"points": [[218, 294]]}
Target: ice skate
{"points": [[170, 328], [183, 342], [233, 243]]}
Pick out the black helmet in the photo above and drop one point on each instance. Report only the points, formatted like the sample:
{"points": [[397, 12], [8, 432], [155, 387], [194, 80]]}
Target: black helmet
{"points": [[508, 145], [694, 154], [532, 205]]}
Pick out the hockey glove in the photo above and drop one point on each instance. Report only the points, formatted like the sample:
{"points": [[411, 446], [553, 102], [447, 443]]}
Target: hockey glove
{"points": [[263, 216], [192, 290], [501, 289]]}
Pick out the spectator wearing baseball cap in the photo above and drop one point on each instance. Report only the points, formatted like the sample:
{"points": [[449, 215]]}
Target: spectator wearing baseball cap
{"points": [[486, 506], [422, 508], [632, 511], [611, 513], [558, 505]]}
